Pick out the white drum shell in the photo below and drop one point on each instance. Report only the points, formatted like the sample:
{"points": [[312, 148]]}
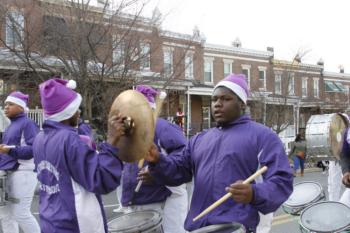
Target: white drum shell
{"points": [[304, 194], [222, 228], [328, 220], [317, 135], [146, 221]]}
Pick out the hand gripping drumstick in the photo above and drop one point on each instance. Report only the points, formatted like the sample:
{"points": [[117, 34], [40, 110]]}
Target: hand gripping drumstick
{"points": [[228, 195]]}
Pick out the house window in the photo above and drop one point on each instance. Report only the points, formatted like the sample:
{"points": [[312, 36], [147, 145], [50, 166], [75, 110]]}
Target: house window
{"points": [[208, 70], [262, 75], [145, 56], [227, 67], [168, 61], [316, 88], [304, 87], [118, 51], [189, 66], [14, 29], [278, 84], [246, 72], [291, 87]]}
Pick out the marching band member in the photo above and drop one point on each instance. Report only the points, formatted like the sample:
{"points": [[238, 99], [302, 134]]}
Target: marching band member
{"points": [[171, 202], [17, 158], [221, 157], [72, 176]]}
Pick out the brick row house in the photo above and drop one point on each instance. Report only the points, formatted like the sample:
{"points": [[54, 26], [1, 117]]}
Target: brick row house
{"points": [[284, 94]]}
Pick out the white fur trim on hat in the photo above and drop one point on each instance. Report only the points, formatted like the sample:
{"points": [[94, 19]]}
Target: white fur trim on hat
{"points": [[71, 84], [17, 101], [237, 89], [68, 112]]}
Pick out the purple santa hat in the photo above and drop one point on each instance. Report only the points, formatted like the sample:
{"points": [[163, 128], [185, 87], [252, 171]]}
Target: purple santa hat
{"points": [[58, 99], [236, 83], [19, 98], [149, 93]]}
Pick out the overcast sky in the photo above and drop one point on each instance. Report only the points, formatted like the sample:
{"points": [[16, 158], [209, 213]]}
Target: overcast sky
{"points": [[321, 26]]}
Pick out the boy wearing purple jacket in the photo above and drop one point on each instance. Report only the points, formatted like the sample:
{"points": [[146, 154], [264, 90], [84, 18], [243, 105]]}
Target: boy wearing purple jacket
{"points": [[71, 175]]}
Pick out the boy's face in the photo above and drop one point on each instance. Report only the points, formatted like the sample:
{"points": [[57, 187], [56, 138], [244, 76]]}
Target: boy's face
{"points": [[225, 105], [11, 109]]}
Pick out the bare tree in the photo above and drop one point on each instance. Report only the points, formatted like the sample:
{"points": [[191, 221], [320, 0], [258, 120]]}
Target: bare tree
{"points": [[102, 47]]}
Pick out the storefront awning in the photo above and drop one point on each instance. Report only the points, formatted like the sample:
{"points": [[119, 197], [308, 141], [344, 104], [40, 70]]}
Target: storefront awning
{"points": [[331, 87]]}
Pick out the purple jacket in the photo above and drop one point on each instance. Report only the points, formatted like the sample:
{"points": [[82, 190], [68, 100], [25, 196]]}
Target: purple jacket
{"points": [[169, 138], [84, 129], [20, 133], [71, 177], [220, 156]]}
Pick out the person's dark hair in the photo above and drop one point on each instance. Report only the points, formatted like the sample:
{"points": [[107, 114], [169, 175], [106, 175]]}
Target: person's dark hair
{"points": [[298, 137]]}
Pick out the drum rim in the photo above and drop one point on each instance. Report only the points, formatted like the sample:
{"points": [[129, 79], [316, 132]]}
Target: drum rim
{"points": [[215, 227], [315, 199], [156, 220], [317, 203]]}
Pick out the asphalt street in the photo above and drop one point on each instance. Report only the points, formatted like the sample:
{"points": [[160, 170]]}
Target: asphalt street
{"points": [[282, 223]]}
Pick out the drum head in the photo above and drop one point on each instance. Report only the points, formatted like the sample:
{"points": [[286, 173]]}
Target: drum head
{"points": [[304, 193], [222, 228], [326, 217], [137, 221]]}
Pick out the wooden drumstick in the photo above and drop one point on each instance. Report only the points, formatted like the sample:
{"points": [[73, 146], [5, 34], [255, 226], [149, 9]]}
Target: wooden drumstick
{"points": [[228, 195], [159, 102], [139, 165]]}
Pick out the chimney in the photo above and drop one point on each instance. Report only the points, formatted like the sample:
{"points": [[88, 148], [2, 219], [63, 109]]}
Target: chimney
{"points": [[237, 43], [320, 62]]}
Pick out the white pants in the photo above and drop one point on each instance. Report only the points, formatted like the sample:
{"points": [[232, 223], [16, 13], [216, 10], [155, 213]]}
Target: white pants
{"points": [[21, 186], [334, 181], [345, 198], [175, 210], [264, 225]]}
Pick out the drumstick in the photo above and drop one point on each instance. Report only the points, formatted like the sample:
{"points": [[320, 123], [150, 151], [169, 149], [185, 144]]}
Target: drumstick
{"points": [[139, 165], [156, 112], [228, 195]]}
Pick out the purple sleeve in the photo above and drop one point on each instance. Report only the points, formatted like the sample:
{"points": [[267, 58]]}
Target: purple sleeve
{"points": [[174, 170], [97, 172], [172, 140], [277, 183], [25, 152]]}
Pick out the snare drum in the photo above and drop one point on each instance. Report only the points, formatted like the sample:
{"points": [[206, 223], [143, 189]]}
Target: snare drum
{"points": [[304, 194], [328, 216], [3, 188], [148, 221], [324, 136], [222, 228]]}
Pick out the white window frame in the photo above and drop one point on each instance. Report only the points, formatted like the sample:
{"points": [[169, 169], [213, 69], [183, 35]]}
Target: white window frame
{"points": [[304, 87], [247, 67], [278, 85], [316, 88], [145, 55], [291, 83], [118, 53], [263, 69], [229, 63], [189, 65], [168, 51], [210, 61], [14, 26]]}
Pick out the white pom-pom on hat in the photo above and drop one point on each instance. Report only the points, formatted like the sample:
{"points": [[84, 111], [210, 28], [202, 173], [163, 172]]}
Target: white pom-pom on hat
{"points": [[162, 95], [72, 84]]}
